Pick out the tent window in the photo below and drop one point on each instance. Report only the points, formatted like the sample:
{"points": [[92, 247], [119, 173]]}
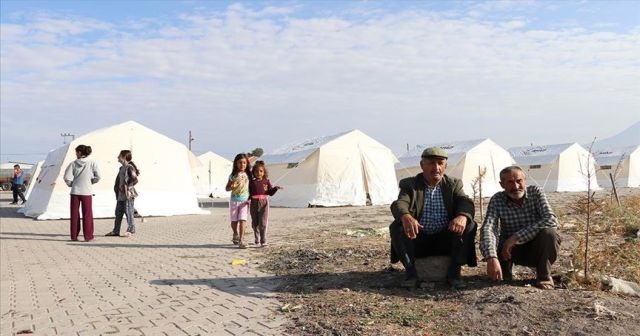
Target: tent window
{"points": [[292, 165], [605, 167], [535, 166]]}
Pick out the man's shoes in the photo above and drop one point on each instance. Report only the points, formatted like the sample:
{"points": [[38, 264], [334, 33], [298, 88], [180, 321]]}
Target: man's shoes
{"points": [[112, 234], [127, 234], [13, 203], [454, 279], [23, 202], [545, 283], [411, 280], [456, 283]]}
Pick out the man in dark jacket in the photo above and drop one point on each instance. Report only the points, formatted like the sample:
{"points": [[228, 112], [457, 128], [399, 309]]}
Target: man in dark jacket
{"points": [[433, 216]]}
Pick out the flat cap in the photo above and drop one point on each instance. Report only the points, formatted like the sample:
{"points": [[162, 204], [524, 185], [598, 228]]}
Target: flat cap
{"points": [[434, 152]]}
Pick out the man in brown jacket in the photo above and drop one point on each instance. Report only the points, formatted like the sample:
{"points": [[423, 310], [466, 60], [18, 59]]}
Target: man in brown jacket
{"points": [[433, 217]]}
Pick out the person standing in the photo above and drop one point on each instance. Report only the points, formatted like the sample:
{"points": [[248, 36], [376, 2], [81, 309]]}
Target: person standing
{"points": [[80, 175], [17, 185], [238, 185], [519, 228], [124, 188]]}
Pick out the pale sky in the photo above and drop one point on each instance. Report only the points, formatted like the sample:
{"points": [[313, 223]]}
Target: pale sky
{"points": [[242, 75]]}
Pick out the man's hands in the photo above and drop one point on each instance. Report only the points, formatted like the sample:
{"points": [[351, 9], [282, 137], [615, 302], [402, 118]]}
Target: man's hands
{"points": [[494, 271], [458, 224], [411, 226], [508, 246]]}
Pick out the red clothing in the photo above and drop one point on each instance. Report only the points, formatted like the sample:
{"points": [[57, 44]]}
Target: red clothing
{"points": [[87, 217], [261, 187]]}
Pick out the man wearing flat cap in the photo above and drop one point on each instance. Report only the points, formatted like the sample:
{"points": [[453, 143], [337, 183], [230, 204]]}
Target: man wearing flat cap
{"points": [[433, 217]]}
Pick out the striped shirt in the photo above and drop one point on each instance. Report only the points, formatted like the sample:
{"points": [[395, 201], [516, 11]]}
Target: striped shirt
{"points": [[434, 217], [505, 218]]}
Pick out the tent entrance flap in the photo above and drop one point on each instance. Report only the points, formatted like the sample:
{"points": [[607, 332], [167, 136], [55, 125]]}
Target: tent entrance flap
{"points": [[365, 179], [378, 174]]}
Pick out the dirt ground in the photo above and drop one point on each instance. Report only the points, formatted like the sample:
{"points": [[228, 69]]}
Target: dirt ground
{"points": [[338, 281]]}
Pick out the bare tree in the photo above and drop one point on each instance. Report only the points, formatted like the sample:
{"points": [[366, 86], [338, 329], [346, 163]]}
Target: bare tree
{"points": [[476, 185], [589, 176]]}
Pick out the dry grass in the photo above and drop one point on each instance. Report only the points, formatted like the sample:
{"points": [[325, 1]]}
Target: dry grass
{"points": [[614, 250], [336, 280]]}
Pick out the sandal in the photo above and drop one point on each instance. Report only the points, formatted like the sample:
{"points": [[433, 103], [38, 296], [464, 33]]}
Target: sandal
{"points": [[545, 284], [236, 239]]}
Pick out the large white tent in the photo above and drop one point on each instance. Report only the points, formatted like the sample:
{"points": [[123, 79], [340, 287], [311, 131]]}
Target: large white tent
{"points": [[619, 155], [344, 169], [165, 187], [622, 163], [466, 159], [211, 177], [561, 167]]}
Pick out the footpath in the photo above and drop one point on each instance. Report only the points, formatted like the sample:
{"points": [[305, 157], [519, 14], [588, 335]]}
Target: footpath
{"points": [[175, 277]]}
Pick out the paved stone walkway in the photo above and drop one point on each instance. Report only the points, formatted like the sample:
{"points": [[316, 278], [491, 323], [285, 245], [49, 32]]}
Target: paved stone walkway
{"points": [[173, 278]]}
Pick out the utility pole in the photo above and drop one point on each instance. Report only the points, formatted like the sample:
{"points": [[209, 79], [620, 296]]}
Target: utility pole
{"points": [[191, 139], [65, 135]]}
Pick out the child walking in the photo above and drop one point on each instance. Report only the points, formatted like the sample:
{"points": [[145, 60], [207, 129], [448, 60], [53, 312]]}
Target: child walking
{"points": [[260, 189], [239, 186], [126, 193]]}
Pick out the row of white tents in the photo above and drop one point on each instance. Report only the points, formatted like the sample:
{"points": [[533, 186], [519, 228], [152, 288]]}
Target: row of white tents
{"points": [[349, 168]]}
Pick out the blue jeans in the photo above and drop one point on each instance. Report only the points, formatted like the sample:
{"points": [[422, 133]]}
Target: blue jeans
{"points": [[124, 208]]}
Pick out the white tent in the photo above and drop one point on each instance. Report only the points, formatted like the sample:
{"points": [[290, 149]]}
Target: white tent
{"points": [[464, 159], [34, 172], [619, 155], [344, 169], [211, 177], [560, 167], [165, 187], [623, 163]]}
